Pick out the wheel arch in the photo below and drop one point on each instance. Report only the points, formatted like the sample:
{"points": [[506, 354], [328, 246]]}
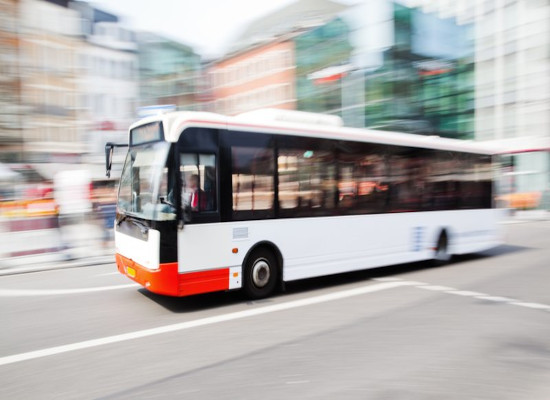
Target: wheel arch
{"points": [[271, 247]]}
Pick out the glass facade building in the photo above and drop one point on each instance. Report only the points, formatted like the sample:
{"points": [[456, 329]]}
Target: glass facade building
{"points": [[317, 50], [425, 84], [423, 81], [168, 72]]}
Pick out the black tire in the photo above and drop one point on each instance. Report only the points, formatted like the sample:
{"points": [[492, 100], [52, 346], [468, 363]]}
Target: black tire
{"points": [[441, 255], [261, 273]]}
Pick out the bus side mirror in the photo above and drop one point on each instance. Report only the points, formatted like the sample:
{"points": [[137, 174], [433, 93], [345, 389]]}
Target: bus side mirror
{"points": [[108, 159], [109, 150]]}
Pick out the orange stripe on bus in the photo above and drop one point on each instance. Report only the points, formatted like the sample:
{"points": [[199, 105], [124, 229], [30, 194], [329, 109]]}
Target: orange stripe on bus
{"points": [[204, 282], [161, 281], [167, 281]]}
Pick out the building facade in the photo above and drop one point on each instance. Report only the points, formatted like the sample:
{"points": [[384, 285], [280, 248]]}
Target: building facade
{"points": [[419, 78], [322, 62], [48, 39], [107, 83], [512, 77], [261, 77], [169, 72], [513, 81], [270, 64], [11, 144]]}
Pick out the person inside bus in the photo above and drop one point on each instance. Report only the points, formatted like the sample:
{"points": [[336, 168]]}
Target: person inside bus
{"points": [[196, 194]]}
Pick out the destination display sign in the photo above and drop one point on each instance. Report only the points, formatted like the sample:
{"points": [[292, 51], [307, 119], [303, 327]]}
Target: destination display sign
{"points": [[146, 134]]}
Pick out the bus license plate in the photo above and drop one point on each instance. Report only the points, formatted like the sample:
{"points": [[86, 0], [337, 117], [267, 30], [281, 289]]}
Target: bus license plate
{"points": [[131, 272]]}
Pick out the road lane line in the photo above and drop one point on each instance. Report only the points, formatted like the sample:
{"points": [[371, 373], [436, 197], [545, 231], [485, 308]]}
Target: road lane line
{"points": [[436, 288], [202, 322], [476, 295], [498, 299], [390, 279], [466, 293], [536, 306], [109, 273], [413, 283], [53, 292]]}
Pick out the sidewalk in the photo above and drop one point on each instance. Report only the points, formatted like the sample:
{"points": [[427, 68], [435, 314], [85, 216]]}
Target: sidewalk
{"points": [[43, 263], [78, 245]]}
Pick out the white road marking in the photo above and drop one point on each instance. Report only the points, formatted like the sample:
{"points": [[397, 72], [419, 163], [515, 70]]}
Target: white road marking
{"points": [[536, 306], [480, 296], [390, 279], [411, 283], [232, 316], [110, 273], [497, 299], [54, 292], [438, 288], [466, 293], [202, 322]]}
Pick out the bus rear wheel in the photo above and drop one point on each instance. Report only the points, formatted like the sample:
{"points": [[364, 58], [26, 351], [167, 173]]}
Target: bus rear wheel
{"points": [[260, 274], [442, 256]]}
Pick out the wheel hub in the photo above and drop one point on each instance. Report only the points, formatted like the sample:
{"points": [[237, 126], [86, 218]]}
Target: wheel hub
{"points": [[261, 273]]}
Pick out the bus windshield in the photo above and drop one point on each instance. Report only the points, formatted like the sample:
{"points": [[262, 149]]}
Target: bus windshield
{"points": [[144, 182]]}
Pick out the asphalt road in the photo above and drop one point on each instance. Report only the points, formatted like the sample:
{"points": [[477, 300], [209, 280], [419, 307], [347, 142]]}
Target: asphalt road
{"points": [[478, 328]]}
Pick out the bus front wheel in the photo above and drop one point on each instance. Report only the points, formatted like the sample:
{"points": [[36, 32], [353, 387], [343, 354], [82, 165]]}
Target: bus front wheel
{"points": [[260, 274]]}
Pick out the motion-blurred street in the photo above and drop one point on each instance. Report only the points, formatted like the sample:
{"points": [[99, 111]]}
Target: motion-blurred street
{"points": [[477, 328]]}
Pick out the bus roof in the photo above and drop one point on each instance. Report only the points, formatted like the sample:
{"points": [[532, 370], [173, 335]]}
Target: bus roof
{"points": [[292, 124]]}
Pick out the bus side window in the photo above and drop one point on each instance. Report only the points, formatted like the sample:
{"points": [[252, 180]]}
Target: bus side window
{"points": [[307, 180], [198, 176], [362, 185], [252, 182]]}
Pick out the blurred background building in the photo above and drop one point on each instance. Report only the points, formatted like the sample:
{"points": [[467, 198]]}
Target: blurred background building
{"points": [[48, 45], [379, 64], [268, 62], [512, 77], [169, 72], [108, 81], [73, 77], [11, 141], [425, 81], [513, 81], [257, 77]]}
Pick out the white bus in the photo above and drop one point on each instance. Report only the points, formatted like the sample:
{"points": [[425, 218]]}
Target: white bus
{"points": [[212, 203]]}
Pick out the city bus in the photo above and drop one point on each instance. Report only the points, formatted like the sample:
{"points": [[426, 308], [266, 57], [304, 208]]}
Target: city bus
{"points": [[215, 203]]}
